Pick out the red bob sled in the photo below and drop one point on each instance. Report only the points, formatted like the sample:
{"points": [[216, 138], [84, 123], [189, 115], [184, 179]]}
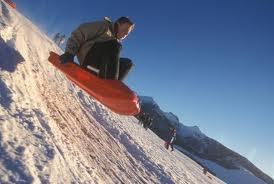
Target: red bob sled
{"points": [[113, 94], [11, 3]]}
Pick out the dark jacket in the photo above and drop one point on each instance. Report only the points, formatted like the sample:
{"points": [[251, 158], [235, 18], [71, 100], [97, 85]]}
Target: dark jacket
{"points": [[83, 38]]}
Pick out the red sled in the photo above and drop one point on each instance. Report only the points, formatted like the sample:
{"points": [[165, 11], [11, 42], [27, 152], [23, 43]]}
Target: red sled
{"points": [[113, 94], [11, 3]]}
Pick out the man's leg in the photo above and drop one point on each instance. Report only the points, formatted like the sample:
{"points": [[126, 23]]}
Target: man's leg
{"points": [[171, 145], [125, 66], [105, 57]]}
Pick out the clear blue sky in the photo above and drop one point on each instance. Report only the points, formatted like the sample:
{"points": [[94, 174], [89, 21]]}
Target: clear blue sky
{"points": [[209, 62]]}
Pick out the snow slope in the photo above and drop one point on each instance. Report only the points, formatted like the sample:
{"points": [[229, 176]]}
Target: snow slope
{"points": [[241, 176], [52, 132]]}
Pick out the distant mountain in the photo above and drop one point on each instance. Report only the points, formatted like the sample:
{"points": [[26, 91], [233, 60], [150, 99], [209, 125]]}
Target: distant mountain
{"points": [[206, 151]]}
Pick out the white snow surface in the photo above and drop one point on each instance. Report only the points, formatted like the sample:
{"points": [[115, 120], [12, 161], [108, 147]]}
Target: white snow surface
{"points": [[147, 99], [171, 117], [192, 131], [186, 131], [53, 132], [230, 176]]}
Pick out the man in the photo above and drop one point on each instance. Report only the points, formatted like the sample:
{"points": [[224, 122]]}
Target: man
{"points": [[56, 37], [171, 139], [98, 45], [148, 121], [61, 40]]}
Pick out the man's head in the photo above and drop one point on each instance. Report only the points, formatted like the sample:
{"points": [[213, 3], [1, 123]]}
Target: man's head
{"points": [[123, 26]]}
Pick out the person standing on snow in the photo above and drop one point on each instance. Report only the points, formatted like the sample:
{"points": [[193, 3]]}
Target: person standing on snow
{"points": [[56, 37], [171, 139], [147, 122], [98, 45], [61, 40]]}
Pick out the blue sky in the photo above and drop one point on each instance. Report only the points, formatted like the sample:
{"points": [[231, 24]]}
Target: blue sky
{"points": [[209, 62]]}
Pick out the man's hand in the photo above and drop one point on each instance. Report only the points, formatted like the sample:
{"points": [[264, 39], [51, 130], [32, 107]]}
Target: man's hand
{"points": [[66, 58]]}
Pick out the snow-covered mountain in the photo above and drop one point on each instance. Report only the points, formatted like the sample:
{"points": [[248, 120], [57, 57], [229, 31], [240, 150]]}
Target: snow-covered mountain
{"points": [[226, 164], [52, 132], [150, 106]]}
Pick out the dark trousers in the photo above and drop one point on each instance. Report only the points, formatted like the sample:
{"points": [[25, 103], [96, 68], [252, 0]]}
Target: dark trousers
{"points": [[105, 57], [171, 145]]}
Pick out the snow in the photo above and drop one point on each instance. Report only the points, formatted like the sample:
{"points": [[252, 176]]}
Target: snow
{"points": [[52, 132], [228, 175], [192, 131], [185, 131], [171, 117], [147, 99]]}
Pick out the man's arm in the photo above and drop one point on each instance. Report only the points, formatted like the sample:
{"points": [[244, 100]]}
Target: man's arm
{"points": [[83, 33], [75, 41]]}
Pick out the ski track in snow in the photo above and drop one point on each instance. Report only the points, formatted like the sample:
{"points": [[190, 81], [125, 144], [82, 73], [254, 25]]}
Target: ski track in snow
{"points": [[52, 132]]}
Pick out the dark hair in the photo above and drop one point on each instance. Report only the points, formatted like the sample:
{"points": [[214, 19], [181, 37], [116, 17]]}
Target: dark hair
{"points": [[123, 20]]}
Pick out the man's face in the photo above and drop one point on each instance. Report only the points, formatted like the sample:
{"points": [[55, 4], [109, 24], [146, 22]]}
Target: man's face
{"points": [[123, 30]]}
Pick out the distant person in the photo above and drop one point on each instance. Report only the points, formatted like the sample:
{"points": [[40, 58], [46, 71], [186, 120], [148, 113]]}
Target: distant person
{"points": [[205, 171], [61, 40], [145, 119], [149, 124], [56, 37], [98, 45], [141, 117], [171, 139]]}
